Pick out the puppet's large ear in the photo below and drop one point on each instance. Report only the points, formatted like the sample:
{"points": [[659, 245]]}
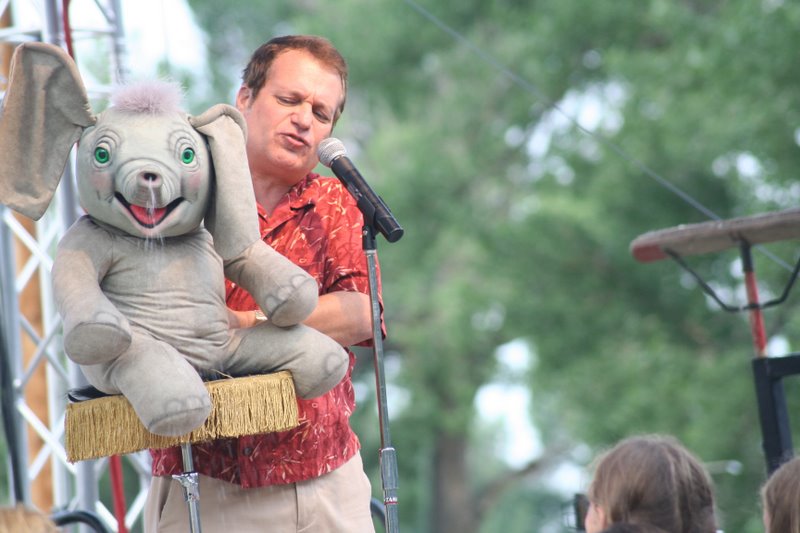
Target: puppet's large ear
{"points": [[43, 114], [232, 216], [282, 289]]}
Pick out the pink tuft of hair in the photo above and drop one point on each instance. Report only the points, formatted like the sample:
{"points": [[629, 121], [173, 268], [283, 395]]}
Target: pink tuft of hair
{"points": [[154, 97]]}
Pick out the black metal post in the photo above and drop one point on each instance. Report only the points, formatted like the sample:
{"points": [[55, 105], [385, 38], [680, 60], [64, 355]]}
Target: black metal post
{"points": [[768, 374]]}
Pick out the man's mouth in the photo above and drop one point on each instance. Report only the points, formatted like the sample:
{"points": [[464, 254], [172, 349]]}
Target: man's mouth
{"points": [[149, 217], [296, 139]]}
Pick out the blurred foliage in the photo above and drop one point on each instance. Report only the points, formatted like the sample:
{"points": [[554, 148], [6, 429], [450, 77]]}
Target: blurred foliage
{"points": [[518, 220]]}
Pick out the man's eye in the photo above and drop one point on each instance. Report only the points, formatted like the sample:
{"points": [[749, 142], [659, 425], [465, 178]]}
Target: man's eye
{"points": [[322, 117]]}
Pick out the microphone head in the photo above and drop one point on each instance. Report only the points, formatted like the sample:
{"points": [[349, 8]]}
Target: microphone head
{"points": [[329, 149]]}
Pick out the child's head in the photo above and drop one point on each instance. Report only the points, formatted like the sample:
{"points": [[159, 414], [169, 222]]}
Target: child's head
{"points": [[780, 497], [651, 481]]}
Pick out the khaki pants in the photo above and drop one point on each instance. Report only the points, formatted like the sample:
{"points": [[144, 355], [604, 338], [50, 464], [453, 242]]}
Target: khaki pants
{"points": [[337, 502]]}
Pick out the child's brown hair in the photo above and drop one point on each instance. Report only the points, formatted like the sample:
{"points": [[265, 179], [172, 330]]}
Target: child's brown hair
{"points": [[654, 480]]}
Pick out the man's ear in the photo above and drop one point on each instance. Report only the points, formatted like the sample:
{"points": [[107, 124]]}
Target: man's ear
{"points": [[232, 217], [244, 98], [44, 113]]}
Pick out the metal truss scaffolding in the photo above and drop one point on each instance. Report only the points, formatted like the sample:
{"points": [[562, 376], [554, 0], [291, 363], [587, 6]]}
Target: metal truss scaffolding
{"points": [[26, 257]]}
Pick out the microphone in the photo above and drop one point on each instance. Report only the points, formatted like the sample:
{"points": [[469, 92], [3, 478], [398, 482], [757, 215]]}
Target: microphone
{"points": [[333, 155]]}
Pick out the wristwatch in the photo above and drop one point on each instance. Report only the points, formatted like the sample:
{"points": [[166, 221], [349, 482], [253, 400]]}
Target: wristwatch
{"points": [[260, 316]]}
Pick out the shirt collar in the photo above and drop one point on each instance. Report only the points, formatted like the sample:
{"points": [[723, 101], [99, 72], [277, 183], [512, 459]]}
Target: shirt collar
{"points": [[297, 198]]}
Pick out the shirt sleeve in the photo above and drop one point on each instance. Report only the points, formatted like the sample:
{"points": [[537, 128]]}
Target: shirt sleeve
{"points": [[346, 263]]}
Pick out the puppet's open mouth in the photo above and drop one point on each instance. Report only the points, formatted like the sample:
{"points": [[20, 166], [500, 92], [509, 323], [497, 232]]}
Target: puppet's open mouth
{"points": [[146, 216]]}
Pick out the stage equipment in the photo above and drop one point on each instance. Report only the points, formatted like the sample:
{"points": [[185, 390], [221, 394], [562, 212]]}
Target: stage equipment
{"points": [[744, 233]]}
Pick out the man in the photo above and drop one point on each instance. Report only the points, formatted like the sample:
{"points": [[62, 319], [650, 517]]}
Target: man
{"points": [[311, 478]]}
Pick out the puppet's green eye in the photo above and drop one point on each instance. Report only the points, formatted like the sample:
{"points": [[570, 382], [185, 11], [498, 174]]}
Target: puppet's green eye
{"points": [[102, 155], [187, 156]]}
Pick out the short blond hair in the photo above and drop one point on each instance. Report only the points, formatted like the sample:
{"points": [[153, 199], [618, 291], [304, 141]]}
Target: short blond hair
{"points": [[20, 519]]}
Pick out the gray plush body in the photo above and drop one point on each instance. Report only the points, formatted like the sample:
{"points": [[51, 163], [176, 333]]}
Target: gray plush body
{"points": [[170, 289], [153, 311], [139, 280]]}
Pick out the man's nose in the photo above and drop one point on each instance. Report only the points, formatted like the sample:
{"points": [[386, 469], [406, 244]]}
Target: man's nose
{"points": [[302, 115]]}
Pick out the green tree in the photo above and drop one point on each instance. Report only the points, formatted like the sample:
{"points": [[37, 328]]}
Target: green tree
{"points": [[518, 221]]}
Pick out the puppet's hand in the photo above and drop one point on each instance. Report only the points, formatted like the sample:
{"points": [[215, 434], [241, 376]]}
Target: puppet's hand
{"points": [[283, 290], [97, 339], [94, 329]]}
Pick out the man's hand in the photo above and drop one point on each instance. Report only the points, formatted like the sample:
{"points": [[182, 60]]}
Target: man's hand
{"points": [[243, 319], [344, 316]]}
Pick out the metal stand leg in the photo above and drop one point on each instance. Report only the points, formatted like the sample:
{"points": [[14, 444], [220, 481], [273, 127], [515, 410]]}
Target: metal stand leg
{"points": [[191, 487]]}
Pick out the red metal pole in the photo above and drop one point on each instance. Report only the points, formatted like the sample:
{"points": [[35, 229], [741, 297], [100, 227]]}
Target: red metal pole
{"points": [[67, 27], [118, 491], [756, 317]]}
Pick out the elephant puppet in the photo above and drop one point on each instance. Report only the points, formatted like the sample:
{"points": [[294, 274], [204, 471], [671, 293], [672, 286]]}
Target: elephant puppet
{"points": [[170, 212]]}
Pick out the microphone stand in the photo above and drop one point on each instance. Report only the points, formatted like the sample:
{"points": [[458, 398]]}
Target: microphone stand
{"points": [[388, 456], [377, 216]]}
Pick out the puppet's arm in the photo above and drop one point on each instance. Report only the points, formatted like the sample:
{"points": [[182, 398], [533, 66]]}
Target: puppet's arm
{"points": [[283, 290], [94, 329]]}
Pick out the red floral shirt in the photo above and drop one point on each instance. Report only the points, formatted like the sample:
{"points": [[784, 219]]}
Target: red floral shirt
{"points": [[317, 225]]}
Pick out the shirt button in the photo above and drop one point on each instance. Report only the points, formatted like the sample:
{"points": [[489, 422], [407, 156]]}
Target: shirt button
{"points": [[247, 451]]}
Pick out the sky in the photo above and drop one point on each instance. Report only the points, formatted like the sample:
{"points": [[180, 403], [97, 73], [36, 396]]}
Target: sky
{"points": [[158, 29], [155, 30]]}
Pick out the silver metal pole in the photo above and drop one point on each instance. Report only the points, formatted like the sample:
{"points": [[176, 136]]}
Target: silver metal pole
{"points": [[51, 33], [190, 482], [11, 351]]}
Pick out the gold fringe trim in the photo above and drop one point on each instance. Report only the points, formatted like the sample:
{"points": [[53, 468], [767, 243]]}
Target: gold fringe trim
{"points": [[240, 406]]}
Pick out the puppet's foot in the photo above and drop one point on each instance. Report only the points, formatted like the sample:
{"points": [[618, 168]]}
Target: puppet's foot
{"points": [[171, 411], [317, 362], [166, 392], [92, 343], [181, 418], [311, 382], [173, 406]]}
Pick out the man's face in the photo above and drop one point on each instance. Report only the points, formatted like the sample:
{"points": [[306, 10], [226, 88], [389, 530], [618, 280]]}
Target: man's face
{"points": [[292, 113]]}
